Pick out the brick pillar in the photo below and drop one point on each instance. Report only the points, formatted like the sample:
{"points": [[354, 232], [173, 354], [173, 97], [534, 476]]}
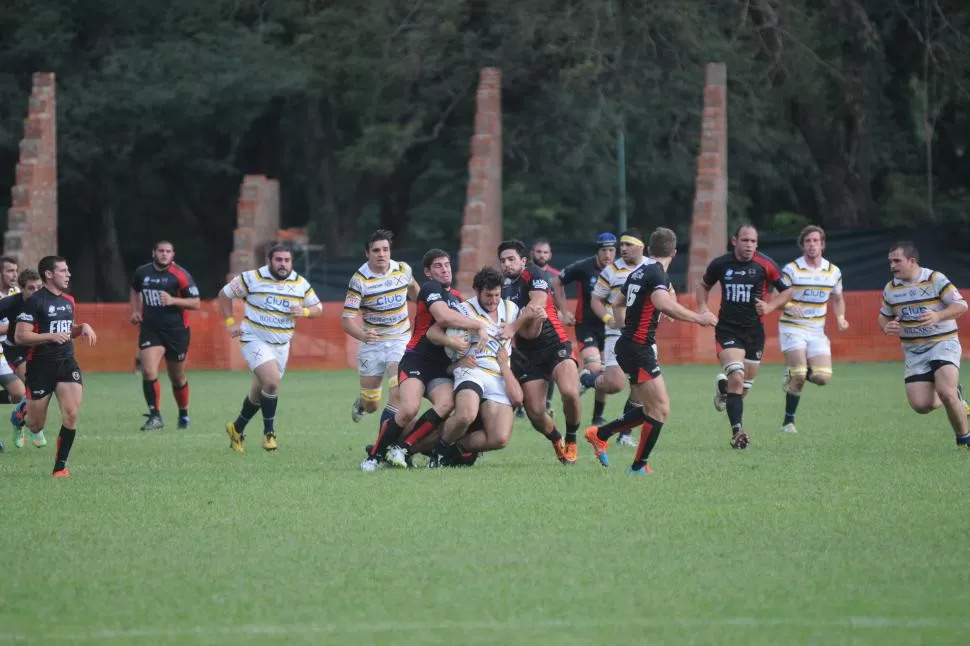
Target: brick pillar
{"points": [[257, 222], [708, 232], [32, 221], [481, 230]]}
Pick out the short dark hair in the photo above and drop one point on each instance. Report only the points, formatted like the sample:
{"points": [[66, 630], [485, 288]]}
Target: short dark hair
{"points": [[516, 245], [8, 260], [539, 241], [377, 236], [744, 225], [633, 232], [431, 255], [276, 248], [26, 276], [663, 243], [910, 252], [487, 278], [161, 242], [48, 263]]}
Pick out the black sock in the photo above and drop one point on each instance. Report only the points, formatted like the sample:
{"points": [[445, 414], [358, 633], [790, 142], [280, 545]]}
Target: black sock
{"points": [[629, 407], [5, 397], [571, 432], [648, 439], [425, 425], [267, 403], [808, 374], [722, 386], [389, 434], [554, 437], [735, 410], [150, 388], [388, 413], [628, 420], [598, 408], [65, 440], [249, 409], [791, 405]]}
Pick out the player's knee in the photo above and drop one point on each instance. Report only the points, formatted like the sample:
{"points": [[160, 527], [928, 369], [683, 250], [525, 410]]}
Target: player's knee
{"points": [[271, 387], [69, 416], [950, 398], [569, 391], [660, 411], [821, 376], [922, 408], [464, 417], [500, 441]]}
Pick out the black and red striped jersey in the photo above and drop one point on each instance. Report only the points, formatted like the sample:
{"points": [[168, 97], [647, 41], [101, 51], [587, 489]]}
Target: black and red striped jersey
{"points": [[518, 290], [431, 292], [742, 281], [640, 322], [150, 282], [49, 313]]}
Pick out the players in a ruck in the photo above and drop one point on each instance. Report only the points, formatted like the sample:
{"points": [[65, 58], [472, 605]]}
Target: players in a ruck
{"points": [[547, 353], [745, 275], [162, 292], [46, 327], [644, 296]]}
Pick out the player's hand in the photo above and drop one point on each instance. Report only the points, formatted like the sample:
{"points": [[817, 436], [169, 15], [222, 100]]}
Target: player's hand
{"points": [[567, 318], [60, 337], [483, 334], [235, 330], [615, 324], [707, 319], [892, 328], [468, 362], [842, 323], [795, 311], [135, 318], [457, 344], [371, 336], [508, 332], [167, 299], [762, 308], [502, 355], [537, 311], [87, 332], [929, 317]]}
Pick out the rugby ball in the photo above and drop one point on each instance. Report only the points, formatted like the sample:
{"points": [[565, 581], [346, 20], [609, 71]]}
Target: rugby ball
{"points": [[464, 334]]}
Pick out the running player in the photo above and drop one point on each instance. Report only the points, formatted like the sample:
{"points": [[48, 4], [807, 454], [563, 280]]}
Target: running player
{"points": [[546, 352], [274, 296], [745, 276], [13, 388], [542, 257], [162, 292], [10, 308], [423, 371], [606, 292], [645, 294], [801, 328], [590, 330], [46, 327], [484, 389], [378, 294], [921, 306]]}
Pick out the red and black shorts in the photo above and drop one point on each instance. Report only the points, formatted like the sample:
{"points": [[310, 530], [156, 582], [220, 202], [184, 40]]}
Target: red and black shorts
{"points": [[637, 360], [591, 335], [537, 364], [416, 365], [174, 340]]}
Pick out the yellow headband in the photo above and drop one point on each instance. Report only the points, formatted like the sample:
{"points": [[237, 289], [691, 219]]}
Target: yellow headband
{"points": [[631, 240]]}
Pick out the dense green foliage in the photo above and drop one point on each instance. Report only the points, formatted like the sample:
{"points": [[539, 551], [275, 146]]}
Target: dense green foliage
{"points": [[844, 112]]}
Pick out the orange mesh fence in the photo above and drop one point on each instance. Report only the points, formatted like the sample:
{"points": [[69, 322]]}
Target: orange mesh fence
{"points": [[321, 344]]}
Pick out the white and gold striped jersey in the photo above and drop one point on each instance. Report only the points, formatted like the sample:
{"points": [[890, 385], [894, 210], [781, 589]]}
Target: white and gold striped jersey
{"points": [[382, 299], [609, 285], [931, 291], [267, 302], [811, 289], [508, 312]]}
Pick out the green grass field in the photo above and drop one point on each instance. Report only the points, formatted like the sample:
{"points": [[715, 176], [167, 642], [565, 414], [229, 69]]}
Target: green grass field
{"points": [[851, 532]]}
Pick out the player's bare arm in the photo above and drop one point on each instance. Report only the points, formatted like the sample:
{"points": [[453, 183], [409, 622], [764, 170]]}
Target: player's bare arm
{"points": [[598, 305], [512, 386], [86, 331], [438, 336], [413, 290], [780, 299], [355, 328], [225, 307], [666, 303], [192, 303], [450, 318], [889, 325], [24, 335], [135, 300], [311, 312], [838, 308], [702, 293], [559, 300], [954, 310]]}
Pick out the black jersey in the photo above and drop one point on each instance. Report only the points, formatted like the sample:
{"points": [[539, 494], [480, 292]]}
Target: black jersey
{"points": [[10, 309], [49, 313], [518, 290], [431, 292], [642, 317], [741, 283], [583, 272], [150, 282]]}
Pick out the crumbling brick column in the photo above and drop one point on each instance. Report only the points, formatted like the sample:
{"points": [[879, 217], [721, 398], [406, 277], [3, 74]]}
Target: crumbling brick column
{"points": [[481, 230], [32, 219], [257, 222]]}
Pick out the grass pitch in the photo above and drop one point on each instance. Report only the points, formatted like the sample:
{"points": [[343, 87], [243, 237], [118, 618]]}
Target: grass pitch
{"points": [[851, 532]]}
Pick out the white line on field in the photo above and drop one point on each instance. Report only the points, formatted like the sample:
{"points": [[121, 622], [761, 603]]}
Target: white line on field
{"points": [[247, 630]]}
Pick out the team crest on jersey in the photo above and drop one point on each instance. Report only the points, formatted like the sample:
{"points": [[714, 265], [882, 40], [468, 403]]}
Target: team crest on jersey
{"points": [[563, 353], [728, 273], [51, 310], [76, 375], [147, 281], [434, 297], [540, 284]]}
